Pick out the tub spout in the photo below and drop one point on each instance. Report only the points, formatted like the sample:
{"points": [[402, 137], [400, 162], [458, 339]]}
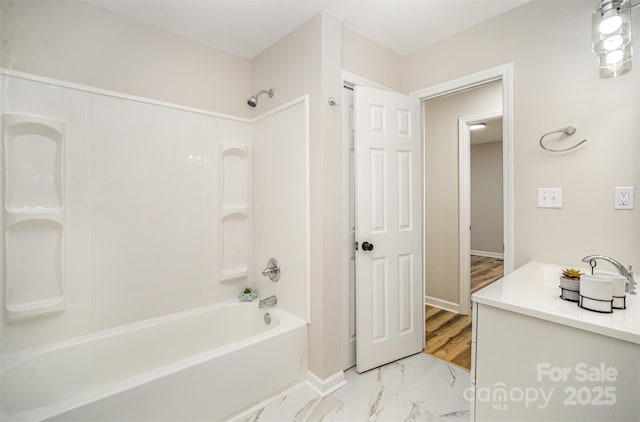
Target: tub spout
{"points": [[268, 302]]}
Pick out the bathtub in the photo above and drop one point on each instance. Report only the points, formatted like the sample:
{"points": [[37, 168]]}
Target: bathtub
{"points": [[203, 364]]}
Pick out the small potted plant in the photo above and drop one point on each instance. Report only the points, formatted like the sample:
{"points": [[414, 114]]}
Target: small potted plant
{"points": [[570, 284], [570, 278], [248, 294]]}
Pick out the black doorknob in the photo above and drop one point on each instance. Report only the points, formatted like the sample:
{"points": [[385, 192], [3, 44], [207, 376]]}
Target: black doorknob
{"points": [[366, 246]]}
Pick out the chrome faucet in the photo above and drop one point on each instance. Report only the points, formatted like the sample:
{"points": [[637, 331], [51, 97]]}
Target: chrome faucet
{"points": [[626, 273], [268, 302]]}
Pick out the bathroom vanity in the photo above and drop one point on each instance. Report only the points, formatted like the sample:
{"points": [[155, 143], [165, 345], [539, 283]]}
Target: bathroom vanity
{"points": [[538, 357]]}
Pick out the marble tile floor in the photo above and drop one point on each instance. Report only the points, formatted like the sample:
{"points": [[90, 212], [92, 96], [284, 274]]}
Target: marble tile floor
{"points": [[417, 388]]}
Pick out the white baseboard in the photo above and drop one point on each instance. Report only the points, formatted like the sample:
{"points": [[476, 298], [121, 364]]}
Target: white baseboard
{"points": [[442, 304], [487, 254], [244, 415], [326, 386]]}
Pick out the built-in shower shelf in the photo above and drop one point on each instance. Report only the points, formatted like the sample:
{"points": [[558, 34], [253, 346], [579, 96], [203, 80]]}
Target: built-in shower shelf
{"points": [[234, 274], [33, 163], [34, 282], [32, 210], [37, 306], [234, 169], [224, 212], [235, 248], [12, 218], [234, 211]]}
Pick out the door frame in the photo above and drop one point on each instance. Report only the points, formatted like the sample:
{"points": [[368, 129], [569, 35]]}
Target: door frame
{"points": [[503, 73], [464, 191], [351, 80]]}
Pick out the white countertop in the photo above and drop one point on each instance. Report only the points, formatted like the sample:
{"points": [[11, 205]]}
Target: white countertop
{"points": [[533, 290]]}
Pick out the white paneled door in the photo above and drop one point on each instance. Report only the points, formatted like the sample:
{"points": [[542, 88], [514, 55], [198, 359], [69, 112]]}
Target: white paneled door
{"points": [[389, 296]]}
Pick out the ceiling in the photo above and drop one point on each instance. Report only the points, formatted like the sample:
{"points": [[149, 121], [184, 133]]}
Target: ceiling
{"points": [[246, 28], [491, 133]]}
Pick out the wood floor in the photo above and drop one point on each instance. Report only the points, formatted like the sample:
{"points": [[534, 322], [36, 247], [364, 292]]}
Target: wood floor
{"points": [[448, 334], [484, 271]]}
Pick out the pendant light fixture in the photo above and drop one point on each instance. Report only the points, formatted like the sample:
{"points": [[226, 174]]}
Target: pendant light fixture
{"points": [[611, 37]]}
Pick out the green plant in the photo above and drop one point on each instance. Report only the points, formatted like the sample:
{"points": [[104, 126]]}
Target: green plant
{"points": [[246, 290], [571, 274]]}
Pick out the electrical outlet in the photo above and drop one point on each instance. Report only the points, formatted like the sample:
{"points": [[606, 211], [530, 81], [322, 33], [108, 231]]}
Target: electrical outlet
{"points": [[549, 197], [623, 198]]}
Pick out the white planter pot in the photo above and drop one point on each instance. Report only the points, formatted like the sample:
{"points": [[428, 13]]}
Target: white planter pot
{"points": [[573, 285], [569, 289]]}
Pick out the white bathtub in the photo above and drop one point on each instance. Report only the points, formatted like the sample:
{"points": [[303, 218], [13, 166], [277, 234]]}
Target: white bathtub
{"points": [[204, 364]]}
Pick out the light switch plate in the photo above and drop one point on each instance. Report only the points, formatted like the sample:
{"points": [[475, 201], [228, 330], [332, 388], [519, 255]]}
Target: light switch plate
{"points": [[623, 198], [549, 197]]}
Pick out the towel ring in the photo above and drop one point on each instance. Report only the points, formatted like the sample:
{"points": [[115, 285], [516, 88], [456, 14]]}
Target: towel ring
{"points": [[569, 130]]}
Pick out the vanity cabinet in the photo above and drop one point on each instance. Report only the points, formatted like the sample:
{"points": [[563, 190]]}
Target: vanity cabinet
{"points": [[536, 357]]}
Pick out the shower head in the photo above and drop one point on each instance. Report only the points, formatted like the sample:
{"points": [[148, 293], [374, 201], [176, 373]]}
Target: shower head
{"points": [[253, 100]]}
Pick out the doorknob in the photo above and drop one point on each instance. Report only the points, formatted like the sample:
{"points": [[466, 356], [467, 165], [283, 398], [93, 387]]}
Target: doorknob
{"points": [[366, 246]]}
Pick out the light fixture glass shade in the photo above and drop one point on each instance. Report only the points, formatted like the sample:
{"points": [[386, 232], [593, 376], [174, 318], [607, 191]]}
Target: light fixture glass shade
{"points": [[611, 37], [610, 22]]}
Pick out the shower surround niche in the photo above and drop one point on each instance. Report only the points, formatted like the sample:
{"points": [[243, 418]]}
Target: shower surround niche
{"points": [[34, 215], [234, 211]]}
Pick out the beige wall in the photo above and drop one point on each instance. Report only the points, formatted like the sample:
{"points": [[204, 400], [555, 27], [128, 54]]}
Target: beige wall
{"points": [[441, 187], [111, 52], [486, 197], [556, 84], [307, 61], [370, 60]]}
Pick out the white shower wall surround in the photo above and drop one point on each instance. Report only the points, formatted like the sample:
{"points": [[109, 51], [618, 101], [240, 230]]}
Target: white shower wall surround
{"points": [[281, 206], [157, 210]]}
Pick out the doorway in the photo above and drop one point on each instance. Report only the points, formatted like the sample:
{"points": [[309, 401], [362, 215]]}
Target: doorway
{"points": [[487, 238], [448, 194], [481, 201], [448, 182]]}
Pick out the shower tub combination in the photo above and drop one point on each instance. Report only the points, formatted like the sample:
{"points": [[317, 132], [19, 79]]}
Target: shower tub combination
{"points": [[203, 364]]}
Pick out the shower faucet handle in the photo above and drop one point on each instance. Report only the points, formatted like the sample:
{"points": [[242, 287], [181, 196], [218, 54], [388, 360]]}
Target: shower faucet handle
{"points": [[272, 271]]}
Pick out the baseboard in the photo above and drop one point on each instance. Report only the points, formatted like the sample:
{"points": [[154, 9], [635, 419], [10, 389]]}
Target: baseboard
{"points": [[245, 414], [488, 254], [442, 304], [326, 386]]}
